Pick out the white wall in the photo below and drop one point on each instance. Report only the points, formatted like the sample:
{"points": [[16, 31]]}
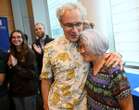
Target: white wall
{"points": [[98, 11]]}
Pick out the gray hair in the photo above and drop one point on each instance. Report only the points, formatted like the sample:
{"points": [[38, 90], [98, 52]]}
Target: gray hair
{"points": [[70, 6], [38, 23], [96, 41]]}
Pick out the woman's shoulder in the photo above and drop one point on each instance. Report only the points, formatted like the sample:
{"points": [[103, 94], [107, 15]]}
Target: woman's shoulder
{"points": [[114, 71]]}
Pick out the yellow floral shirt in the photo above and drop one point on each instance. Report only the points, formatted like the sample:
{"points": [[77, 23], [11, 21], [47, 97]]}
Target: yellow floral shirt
{"points": [[63, 62]]}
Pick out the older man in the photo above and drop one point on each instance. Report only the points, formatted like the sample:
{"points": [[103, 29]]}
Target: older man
{"points": [[64, 72]]}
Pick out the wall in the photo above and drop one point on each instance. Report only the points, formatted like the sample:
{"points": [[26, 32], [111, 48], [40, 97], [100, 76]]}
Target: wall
{"points": [[6, 10], [30, 17], [99, 12]]}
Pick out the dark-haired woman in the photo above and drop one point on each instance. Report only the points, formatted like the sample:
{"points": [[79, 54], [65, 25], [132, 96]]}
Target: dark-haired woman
{"points": [[21, 62]]}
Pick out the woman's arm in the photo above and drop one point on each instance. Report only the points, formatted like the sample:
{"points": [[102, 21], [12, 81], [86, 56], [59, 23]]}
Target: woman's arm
{"points": [[121, 88], [126, 103]]}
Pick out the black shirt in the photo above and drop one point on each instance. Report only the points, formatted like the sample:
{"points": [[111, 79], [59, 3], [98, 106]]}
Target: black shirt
{"points": [[3, 85], [41, 43]]}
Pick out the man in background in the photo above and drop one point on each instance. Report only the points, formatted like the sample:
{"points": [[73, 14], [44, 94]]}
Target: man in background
{"points": [[38, 45]]}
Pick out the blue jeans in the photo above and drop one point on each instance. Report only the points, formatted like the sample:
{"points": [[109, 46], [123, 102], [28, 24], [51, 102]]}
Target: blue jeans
{"points": [[25, 103]]}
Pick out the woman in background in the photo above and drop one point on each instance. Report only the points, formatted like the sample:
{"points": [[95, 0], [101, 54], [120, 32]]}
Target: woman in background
{"points": [[21, 64], [107, 87]]}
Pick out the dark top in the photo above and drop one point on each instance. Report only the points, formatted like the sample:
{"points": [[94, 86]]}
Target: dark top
{"points": [[22, 77], [3, 85], [106, 88], [41, 43]]}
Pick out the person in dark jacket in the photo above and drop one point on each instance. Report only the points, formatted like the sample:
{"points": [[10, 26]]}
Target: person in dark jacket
{"points": [[21, 63], [4, 99], [38, 45]]}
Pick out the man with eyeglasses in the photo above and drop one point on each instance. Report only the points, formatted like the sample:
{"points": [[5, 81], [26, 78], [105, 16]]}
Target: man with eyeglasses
{"points": [[64, 72]]}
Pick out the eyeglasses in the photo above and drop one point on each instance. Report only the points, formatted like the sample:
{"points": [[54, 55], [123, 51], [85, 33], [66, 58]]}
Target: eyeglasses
{"points": [[72, 25]]}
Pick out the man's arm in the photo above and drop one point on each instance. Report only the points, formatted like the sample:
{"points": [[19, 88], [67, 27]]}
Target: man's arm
{"points": [[45, 86], [126, 103]]}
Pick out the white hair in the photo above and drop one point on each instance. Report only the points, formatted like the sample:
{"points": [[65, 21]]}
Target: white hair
{"points": [[96, 41], [70, 6]]}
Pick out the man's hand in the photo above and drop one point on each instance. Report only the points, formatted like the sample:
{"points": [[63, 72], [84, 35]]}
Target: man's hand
{"points": [[113, 59], [37, 48]]}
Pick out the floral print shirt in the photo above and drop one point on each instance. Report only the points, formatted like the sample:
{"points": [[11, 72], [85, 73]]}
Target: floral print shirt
{"points": [[63, 63]]}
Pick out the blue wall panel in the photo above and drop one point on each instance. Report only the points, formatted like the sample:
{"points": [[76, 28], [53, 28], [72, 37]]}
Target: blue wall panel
{"points": [[4, 34]]}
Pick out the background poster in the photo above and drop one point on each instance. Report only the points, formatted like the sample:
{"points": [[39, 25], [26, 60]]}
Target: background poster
{"points": [[4, 35]]}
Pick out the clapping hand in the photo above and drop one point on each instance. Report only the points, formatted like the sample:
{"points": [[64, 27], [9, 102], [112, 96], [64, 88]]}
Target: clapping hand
{"points": [[12, 61], [37, 48]]}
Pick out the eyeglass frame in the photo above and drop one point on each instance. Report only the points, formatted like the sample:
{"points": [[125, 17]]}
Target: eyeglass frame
{"points": [[72, 25]]}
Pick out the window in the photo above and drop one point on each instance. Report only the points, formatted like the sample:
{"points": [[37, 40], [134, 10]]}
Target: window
{"points": [[125, 21]]}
